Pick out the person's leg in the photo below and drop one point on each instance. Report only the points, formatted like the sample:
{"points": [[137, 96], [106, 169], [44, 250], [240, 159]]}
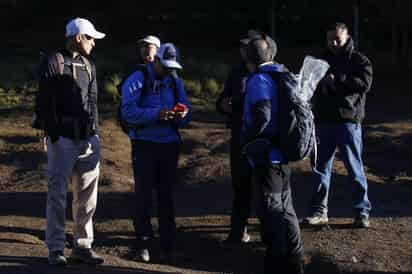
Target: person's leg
{"points": [[61, 157], [242, 191], [294, 244], [323, 170], [168, 156], [143, 159], [86, 175], [351, 147], [269, 207]]}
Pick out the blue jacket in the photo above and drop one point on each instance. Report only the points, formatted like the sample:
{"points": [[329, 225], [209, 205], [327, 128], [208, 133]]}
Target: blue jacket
{"points": [[143, 107], [260, 117]]}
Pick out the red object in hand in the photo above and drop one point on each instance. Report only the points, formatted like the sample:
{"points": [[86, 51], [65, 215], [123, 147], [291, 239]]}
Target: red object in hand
{"points": [[179, 108]]}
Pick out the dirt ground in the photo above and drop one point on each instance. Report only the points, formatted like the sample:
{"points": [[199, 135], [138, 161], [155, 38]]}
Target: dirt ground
{"points": [[203, 199]]}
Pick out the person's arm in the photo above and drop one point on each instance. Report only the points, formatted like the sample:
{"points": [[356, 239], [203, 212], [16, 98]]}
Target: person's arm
{"points": [[223, 102], [359, 82], [259, 97], [93, 99], [131, 110]]}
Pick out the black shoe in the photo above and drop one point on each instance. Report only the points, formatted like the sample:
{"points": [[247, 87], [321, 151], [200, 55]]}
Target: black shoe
{"points": [[86, 255], [57, 258], [295, 267]]}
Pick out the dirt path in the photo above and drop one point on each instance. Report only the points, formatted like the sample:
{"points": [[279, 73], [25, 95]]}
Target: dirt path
{"points": [[203, 201]]}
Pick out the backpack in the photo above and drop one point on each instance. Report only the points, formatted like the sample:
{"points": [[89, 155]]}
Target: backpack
{"points": [[125, 126], [296, 139], [39, 122]]}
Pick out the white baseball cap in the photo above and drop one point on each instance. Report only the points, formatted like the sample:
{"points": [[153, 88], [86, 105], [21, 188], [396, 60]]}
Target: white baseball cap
{"points": [[150, 39], [168, 56], [82, 26]]}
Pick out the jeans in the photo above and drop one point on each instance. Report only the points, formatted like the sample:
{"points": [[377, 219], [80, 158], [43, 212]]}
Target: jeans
{"points": [[279, 224], [155, 168], [348, 138], [65, 158], [242, 191]]}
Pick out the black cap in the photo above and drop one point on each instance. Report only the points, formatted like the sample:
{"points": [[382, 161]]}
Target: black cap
{"points": [[251, 34]]}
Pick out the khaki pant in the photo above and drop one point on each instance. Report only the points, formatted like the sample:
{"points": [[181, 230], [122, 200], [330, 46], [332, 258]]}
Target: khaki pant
{"points": [[67, 158]]}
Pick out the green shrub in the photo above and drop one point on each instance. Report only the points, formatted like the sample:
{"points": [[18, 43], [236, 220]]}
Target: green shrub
{"points": [[110, 87], [193, 88], [10, 99], [211, 87]]}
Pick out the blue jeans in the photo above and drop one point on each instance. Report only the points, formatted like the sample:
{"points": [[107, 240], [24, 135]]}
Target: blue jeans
{"points": [[348, 138]]}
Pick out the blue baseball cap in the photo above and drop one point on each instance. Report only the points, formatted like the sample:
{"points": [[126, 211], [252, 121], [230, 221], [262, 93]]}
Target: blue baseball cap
{"points": [[168, 56]]}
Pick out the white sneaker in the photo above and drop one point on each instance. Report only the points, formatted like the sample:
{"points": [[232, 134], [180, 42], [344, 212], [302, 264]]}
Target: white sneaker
{"points": [[316, 220]]}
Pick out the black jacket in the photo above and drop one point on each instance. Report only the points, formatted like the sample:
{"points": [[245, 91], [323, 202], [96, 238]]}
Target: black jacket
{"points": [[67, 106], [344, 101], [235, 90]]}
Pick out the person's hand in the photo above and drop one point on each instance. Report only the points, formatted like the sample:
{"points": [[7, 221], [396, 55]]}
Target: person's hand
{"points": [[328, 84], [167, 115], [226, 105], [181, 110]]}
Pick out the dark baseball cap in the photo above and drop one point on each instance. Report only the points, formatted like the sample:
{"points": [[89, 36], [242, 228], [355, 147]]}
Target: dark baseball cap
{"points": [[251, 35]]}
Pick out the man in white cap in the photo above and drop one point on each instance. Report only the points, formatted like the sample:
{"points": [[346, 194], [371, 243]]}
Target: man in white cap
{"points": [[147, 48], [66, 107]]}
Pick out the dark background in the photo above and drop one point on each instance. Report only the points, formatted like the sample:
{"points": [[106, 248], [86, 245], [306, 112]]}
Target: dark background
{"points": [[384, 25]]}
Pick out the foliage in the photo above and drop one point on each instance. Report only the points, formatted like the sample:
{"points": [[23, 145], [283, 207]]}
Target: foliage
{"points": [[193, 88], [110, 87], [211, 87]]}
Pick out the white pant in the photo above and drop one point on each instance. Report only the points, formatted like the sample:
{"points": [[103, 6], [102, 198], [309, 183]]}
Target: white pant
{"points": [[66, 157]]}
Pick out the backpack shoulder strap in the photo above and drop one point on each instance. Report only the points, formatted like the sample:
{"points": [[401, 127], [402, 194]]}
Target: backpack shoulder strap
{"points": [[60, 62], [88, 66]]}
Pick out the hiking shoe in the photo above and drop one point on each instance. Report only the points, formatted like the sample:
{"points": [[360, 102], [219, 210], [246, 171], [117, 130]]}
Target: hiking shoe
{"points": [[143, 255], [231, 241], [316, 219], [362, 221], [57, 258], [86, 255]]}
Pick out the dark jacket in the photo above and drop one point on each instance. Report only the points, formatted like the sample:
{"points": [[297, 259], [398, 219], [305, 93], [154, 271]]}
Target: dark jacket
{"points": [[345, 102], [67, 106], [234, 89]]}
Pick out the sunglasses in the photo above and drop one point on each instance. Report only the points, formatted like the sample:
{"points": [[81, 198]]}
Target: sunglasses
{"points": [[87, 37]]}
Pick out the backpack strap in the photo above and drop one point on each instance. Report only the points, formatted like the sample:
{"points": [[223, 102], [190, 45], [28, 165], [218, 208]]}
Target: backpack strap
{"points": [[88, 66], [60, 62]]}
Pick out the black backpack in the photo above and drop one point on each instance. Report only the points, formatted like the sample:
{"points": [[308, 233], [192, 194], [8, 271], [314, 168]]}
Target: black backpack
{"points": [[125, 126], [39, 119], [296, 139]]}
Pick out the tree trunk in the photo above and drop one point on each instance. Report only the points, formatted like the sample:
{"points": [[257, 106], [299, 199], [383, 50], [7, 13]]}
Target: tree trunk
{"points": [[273, 18], [356, 23], [404, 52]]}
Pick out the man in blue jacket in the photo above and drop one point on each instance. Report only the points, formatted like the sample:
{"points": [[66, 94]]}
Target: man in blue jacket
{"points": [[270, 172], [155, 102]]}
